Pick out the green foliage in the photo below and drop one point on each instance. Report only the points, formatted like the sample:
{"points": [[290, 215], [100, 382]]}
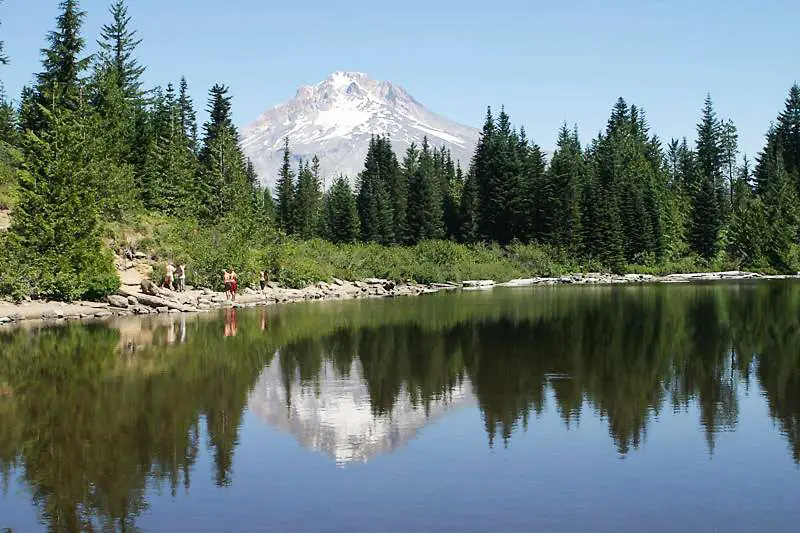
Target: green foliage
{"points": [[339, 213], [307, 201]]}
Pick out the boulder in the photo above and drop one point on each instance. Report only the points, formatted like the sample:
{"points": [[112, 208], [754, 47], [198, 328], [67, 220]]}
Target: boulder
{"points": [[337, 281], [72, 317], [389, 285], [132, 301], [202, 301], [116, 300], [102, 314], [162, 309], [207, 292], [148, 287], [15, 317], [141, 310], [53, 314], [250, 291], [273, 285], [203, 306], [174, 311], [479, 283], [4, 320], [217, 299], [375, 281]]}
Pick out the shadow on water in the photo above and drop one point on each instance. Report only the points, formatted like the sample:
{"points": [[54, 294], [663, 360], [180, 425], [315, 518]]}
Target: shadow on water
{"points": [[92, 417]]}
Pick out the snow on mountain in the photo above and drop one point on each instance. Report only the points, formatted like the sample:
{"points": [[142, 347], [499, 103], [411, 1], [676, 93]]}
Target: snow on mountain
{"points": [[335, 119]]}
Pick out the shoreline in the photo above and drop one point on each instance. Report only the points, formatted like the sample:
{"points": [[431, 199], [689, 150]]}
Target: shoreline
{"points": [[132, 300]]}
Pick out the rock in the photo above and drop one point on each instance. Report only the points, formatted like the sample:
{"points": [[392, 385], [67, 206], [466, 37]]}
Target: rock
{"points": [[527, 282], [201, 301], [217, 299], [174, 312], [250, 291], [141, 310], [123, 313], [132, 301], [207, 292], [479, 283], [375, 281], [116, 300], [444, 286], [389, 285], [204, 306], [148, 287], [162, 309], [5, 320], [273, 285], [140, 255], [72, 317], [52, 315], [102, 314], [15, 317], [337, 281]]}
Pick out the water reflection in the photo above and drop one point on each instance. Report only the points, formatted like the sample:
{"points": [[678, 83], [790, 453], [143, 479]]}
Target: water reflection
{"points": [[94, 417]]}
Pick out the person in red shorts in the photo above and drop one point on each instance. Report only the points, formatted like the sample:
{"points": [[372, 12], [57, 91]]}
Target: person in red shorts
{"points": [[234, 284]]}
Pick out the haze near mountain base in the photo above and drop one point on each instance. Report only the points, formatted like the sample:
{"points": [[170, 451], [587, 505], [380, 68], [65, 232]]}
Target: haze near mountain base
{"points": [[335, 120]]}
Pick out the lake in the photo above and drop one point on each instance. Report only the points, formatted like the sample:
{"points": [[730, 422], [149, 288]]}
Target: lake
{"points": [[566, 409]]}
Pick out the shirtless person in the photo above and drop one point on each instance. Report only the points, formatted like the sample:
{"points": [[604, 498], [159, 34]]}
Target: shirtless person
{"points": [[170, 275], [226, 279], [234, 284]]}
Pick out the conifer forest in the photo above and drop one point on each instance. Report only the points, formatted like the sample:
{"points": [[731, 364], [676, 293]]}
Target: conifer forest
{"points": [[90, 155]]}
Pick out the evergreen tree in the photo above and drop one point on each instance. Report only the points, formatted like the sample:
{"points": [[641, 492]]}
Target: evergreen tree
{"points": [[307, 201], [3, 56], [708, 194], [117, 46], [788, 130], [566, 174], [730, 149], [780, 212], [188, 116], [285, 191], [748, 226], [340, 214], [55, 232], [468, 211], [373, 200], [60, 83], [424, 199], [222, 182]]}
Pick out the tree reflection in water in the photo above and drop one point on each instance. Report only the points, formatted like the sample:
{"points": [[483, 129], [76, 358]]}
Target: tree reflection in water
{"points": [[92, 417]]}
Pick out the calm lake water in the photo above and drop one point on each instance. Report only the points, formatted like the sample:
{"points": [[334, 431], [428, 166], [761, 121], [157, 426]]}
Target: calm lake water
{"points": [[566, 409]]}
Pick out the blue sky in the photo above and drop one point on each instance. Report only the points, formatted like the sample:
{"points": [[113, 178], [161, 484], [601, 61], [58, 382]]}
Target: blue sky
{"points": [[547, 62]]}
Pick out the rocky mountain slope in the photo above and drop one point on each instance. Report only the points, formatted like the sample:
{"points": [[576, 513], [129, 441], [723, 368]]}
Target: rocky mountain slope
{"points": [[335, 120]]}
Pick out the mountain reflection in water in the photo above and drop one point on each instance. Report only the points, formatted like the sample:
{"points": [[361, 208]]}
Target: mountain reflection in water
{"points": [[93, 417]]}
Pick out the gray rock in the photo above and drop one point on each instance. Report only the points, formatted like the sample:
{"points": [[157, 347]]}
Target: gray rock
{"points": [[102, 314], [375, 281], [207, 292], [479, 283], [389, 285], [204, 306], [162, 309], [72, 317], [15, 317], [117, 301], [141, 310], [52, 315], [148, 287], [123, 313], [337, 281], [273, 285], [201, 301], [217, 299], [250, 291], [174, 311], [5, 320], [132, 301]]}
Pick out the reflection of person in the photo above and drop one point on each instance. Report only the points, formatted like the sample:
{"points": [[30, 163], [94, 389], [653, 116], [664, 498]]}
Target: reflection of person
{"points": [[263, 322], [181, 277], [171, 332], [230, 322], [183, 329], [234, 284]]}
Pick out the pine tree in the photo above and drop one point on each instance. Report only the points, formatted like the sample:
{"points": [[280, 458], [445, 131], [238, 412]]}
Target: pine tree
{"points": [[3, 56], [730, 149], [188, 116], [373, 199], [222, 186], [424, 199], [788, 129], [340, 214], [285, 191], [468, 211], [60, 83], [748, 226], [781, 212], [566, 174], [55, 232], [307, 201], [708, 194], [117, 46]]}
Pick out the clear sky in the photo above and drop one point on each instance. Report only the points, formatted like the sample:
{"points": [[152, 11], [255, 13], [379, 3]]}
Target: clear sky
{"points": [[546, 61]]}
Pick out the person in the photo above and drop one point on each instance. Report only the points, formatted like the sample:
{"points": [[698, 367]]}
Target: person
{"points": [[181, 276], [234, 284], [226, 279], [169, 276], [262, 280]]}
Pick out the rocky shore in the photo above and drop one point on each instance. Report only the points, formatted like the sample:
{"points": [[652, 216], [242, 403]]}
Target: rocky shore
{"points": [[146, 298]]}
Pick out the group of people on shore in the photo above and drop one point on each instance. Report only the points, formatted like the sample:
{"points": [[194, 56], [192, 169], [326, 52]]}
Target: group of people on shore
{"points": [[175, 280]]}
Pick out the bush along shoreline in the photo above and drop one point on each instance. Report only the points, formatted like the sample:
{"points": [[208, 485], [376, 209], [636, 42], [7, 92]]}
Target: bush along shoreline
{"points": [[91, 154]]}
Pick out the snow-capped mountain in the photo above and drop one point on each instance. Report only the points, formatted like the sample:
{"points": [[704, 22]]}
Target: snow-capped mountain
{"points": [[335, 119], [335, 415]]}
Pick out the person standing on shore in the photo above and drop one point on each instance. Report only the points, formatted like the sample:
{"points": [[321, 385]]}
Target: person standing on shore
{"points": [[169, 276], [226, 280], [234, 284], [262, 280], [181, 276]]}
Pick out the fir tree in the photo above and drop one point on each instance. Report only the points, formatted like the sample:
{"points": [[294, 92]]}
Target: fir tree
{"points": [[468, 211], [285, 191], [748, 226], [3, 56], [781, 212], [55, 232], [788, 129], [307, 201], [60, 83], [188, 116], [424, 199], [566, 174], [222, 185], [340, 214], [711, 156], [117, 46], [373, 200]]}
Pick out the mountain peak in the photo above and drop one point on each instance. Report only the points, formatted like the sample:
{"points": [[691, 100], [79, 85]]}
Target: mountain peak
{"points": [[335, 120]]}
